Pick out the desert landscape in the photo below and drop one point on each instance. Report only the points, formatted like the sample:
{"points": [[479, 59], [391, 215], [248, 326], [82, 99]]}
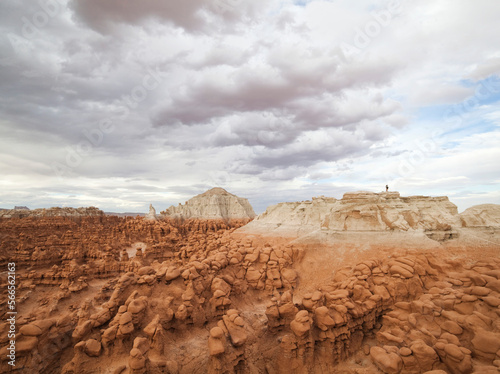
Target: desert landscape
{"points": [[369, 283], [249, 187]]}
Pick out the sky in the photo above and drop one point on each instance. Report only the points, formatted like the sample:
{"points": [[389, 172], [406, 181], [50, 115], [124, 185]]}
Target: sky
{"points": [[119, 104]]}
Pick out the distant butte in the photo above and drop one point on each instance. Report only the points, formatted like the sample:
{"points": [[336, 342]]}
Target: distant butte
{"points": [[215, 203]]}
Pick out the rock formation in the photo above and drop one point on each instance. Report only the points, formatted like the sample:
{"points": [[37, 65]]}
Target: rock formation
{"points": [[485, 215], [130, 295], [382, 218], [20, 212], [358, 211], [151, 216], [216, 203]]}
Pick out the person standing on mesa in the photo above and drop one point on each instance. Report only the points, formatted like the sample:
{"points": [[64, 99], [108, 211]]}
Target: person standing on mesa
{"points": [[386, 187]]}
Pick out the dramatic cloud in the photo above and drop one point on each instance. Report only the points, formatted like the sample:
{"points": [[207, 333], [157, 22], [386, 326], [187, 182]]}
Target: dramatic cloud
{"points": [[122, 103]]}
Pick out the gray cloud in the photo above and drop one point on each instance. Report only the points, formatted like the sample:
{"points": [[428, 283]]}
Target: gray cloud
{"points": [[193, 15], [101, 15], [312, 148]]}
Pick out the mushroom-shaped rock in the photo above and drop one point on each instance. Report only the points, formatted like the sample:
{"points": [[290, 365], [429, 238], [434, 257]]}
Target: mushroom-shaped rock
{"points": [[219, 293], [126, 326], [301, 324], [323, 319], [136, 360], [44, 324], [457, 359], [216, 341], [235, 326]]}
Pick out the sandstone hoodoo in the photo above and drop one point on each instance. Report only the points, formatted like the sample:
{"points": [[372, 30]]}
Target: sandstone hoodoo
{"points": [[216, 203], [151, 216]]}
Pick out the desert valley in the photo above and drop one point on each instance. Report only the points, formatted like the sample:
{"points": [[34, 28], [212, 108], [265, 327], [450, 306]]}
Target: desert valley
{"points": [[369, 283]]}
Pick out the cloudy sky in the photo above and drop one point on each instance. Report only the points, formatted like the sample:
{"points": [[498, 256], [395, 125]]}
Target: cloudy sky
{"points": [[119, 104]]}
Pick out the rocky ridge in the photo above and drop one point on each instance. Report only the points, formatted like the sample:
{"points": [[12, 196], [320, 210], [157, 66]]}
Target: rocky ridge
{"points": [[52, 212], [216, 203]]}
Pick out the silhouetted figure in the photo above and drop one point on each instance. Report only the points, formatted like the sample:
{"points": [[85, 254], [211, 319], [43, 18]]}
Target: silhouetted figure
{"points": [[386, 187]]}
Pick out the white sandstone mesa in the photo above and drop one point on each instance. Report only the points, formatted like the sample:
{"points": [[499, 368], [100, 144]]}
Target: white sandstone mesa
{"points": [[365, 216]]}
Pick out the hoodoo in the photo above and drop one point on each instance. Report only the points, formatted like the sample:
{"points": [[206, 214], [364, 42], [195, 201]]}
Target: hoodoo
{"points": [[216, 203]]}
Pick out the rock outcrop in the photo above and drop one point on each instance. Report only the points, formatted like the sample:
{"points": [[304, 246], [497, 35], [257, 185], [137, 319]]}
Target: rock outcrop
{"points": [[379, 218], [485, 215], [216, 203], [358, 211], [151, 216]]}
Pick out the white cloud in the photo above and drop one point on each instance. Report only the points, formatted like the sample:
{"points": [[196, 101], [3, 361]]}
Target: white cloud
{"points": [[486, 68], [254, 96], [430, 93]]}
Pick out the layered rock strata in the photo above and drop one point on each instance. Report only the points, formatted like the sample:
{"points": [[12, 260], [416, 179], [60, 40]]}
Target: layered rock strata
{"points": [[216, 203], [385, 217], [485, 215]]}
